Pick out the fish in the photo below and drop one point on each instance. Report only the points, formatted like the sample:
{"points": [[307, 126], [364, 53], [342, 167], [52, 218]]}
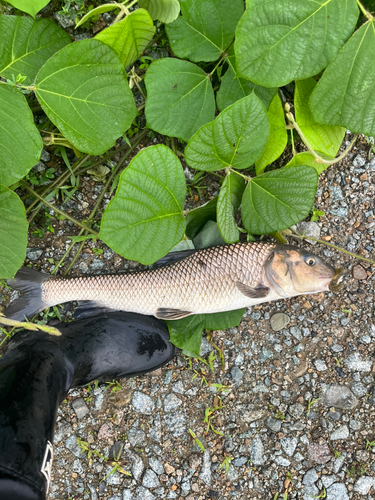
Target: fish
{"points": [[211, 280]]}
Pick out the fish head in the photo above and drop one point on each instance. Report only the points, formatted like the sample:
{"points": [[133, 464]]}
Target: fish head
{"points": [[293, 271]]}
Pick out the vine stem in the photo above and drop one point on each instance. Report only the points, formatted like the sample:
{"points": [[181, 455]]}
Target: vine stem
{"points": [[356, 256], [364, 11], [318, 158], [52, 207]]}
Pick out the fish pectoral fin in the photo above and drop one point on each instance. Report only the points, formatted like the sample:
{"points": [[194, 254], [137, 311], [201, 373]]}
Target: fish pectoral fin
{"points": [[254, 293], [88, 308], [167, 313]]}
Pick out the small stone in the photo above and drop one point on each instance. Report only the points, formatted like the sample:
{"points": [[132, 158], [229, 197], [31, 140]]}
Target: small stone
{"points": [[273, 423], [358, 161], [156, 465], [339, 462], [311, 229], [296, 410], [310, 477], [358, 389], [96, 265], [256, 450], [205, 472], [238, 462], [176, 423], [364, 484], [169, 469], [357, 364], [64, 21], [127, 494], [72, 445], [279, 321], [33, 253], [142, 403], [143, 494], [265, 354], [339, 396], [150, 479], [328, 480], [337, 491], [105, 431], [289, 445], [284, 462], [137, 466], [178, 387], [136, 436], [80, 407], [77, 467], [336, 192], [355, 425], [359, 273], [171, 402], [155, 431], [237, 375], [296, 332], [319, 453], [320, 365], [341, 433]]}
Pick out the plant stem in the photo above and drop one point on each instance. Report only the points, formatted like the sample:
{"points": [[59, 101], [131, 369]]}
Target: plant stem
{"points": [[356, 256], [213, 71], [246, 177], [52, 207], [342, 156], [364, 11]]}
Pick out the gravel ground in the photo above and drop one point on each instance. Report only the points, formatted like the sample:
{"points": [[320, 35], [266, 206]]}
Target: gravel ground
{"points": [[298, 390]]}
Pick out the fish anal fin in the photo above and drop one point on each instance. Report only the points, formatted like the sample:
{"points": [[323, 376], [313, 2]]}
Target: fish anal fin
{"points": [[168, 313], [258, 292], [88, 308]]}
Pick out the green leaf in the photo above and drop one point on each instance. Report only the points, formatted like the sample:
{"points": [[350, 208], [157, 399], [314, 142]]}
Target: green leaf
{"points": [[98, 10], [25, 45], [205, 29], [277, 42], [20, 141], [324, 138], [345, 95], [129, 37], [228, 203], [13, 233], [186, 333], [233, 88], [144, 220], [198, 217], [32, 7], [308, 159], [84, 91], [236, 138], [180, 98], [278, 137], [276, 200], [165, 11]]}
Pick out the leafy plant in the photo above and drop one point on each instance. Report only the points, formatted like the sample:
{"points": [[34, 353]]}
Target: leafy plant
{"points": [[223, 57]]}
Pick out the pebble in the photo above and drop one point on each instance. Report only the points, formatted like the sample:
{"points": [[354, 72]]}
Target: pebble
{"points": [[273, 423], [136, 436], [205, 472], [178, 387], [265, 354], [237, 375], [137, 466], [33, 253], [143, 494], [289, 445], [150, 479], [358, 389], [364, 484], [319, 453], [310, 477], [359, 273], [296, 410], [355, 363], [310, 229], [80, 407], [284, 462], [256, 450], [341, 433], [155, 431], [176, 423], [296, 332], [337, 491], [339, 396], [355, 425], [320, 365], [64, 21], [127, 494], [105, 431], [156, 465], [142, 403], [171, 402], [279, 321]]}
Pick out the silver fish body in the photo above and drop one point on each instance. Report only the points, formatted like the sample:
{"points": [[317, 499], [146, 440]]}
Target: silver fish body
{"points": [[212, 280]]}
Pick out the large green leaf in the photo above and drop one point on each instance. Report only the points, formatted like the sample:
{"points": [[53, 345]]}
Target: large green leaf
{"points": [[165, 11], [198, 217], [13, 233], [186, 333], [233, 88], [25, 45], [345, 95], [205, 29], [20, 141], [32, 7], [84, 91], [129, 37], [276, 200], [180, 98], [236, 138], [324, 138], [228, 203], [277, 42], [278, 137], [308, 159], [144, 220]]}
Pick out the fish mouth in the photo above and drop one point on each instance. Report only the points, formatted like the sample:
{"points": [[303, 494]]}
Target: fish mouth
{"points": [[336, 283]]}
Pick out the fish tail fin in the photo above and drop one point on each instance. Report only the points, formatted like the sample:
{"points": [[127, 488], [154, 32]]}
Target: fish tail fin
{"points": [[29, 282]]}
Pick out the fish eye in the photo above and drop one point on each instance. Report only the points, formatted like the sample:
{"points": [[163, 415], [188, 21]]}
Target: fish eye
{"points": [[310, 261]]}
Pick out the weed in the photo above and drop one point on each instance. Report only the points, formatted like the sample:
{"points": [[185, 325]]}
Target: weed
{"points": [[226, 463], [316, 214], [196, 440], [323, 494], [357, 469], [369, 444], [310, 404], [209, 416], [114, 386], [336, 454], [338, 362], [279, 415]]}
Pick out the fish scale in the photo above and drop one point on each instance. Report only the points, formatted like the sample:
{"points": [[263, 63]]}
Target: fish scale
{"points": [[204, 282]]}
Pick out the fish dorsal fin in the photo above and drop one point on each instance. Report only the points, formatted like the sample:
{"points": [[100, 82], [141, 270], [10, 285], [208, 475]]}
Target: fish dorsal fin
{"points": [[172, 257], [168, 313], [254, 293]]}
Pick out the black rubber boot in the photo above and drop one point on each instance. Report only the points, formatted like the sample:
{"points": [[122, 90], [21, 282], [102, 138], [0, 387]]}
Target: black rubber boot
{"points": [[36, 373]]}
